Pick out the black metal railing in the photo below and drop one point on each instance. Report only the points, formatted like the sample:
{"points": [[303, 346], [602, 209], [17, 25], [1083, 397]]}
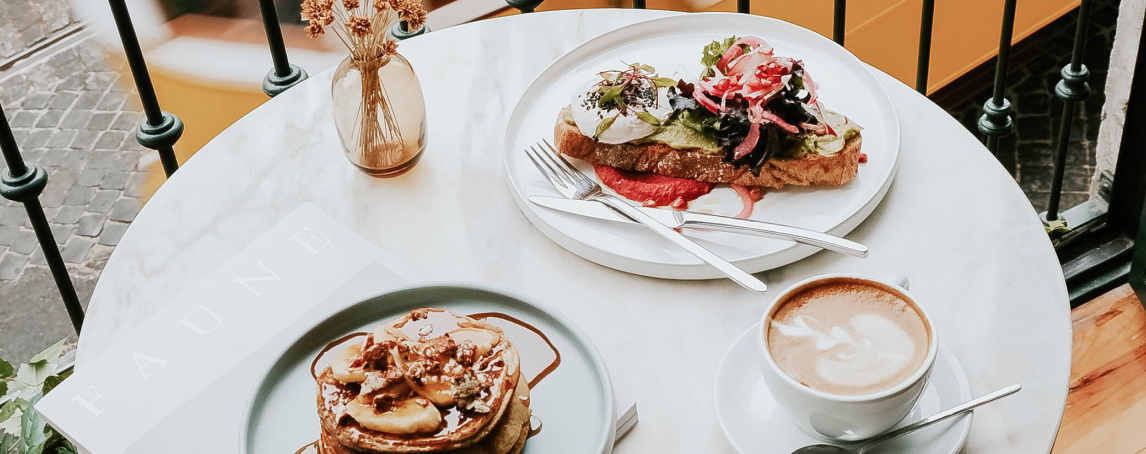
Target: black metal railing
{"points": [[283, 75], [23, 182], [926, 22], [996, 121], [160, 130], [1072, 90]]}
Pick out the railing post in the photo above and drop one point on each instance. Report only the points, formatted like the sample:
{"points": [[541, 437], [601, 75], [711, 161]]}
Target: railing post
{"points": [[839, 20], [158, 130], [927, 19], [996, 121], [1072, 89], [401, 30], [23, 182], [525, 6], [284, 75]]}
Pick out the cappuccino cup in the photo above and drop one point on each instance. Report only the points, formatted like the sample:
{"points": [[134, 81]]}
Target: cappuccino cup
{"points": [[846, 356]]}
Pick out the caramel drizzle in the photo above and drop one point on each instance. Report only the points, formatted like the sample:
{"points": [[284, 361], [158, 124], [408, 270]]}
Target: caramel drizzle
{"points": [[331, 346], [535, 422], [312, 447], [557, 354]]}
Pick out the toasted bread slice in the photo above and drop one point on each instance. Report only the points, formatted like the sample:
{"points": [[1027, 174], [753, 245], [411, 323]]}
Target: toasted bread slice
{"points": [[695, 164]]}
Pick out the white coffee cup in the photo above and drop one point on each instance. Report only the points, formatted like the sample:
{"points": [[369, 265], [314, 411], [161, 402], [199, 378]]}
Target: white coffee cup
{"points": [[844, 417]]}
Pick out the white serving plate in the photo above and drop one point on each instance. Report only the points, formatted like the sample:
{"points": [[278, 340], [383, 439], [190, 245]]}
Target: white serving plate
{"points": [[673, 46]]}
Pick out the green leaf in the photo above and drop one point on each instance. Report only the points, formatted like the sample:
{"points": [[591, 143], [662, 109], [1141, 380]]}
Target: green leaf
{"points": [[666, 82], [3, 388], [8, 443], [50, 383], [11, 425], [6, 369], [610, 95], [67, 448], [51, 354], [30, 377], [7, 410], [647, 68], [604, 126], [32, 434], [648, 118], [714, 50], [698, 120]]}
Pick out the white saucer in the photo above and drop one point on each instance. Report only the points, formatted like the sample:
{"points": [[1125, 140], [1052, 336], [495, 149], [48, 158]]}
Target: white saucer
{"points": [[754, 424]]}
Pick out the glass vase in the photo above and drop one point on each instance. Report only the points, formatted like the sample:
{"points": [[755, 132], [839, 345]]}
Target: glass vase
{"points": [[380, 114]]}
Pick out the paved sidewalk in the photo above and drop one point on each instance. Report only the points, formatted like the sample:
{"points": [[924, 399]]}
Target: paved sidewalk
{"points": [[73, 115]]}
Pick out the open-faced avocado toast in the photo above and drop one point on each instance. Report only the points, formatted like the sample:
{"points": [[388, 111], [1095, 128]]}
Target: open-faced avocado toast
{"points": [[751, 119]]}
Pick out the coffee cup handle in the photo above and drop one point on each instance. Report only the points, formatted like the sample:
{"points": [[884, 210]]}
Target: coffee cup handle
{"points": [[900, 280]]}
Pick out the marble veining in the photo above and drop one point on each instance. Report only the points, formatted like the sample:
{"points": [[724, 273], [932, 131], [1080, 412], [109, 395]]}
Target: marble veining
{"points": [[954, 222]]}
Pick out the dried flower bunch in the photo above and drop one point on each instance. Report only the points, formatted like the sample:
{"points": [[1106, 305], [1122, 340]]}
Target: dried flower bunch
{"points": [[362, 26]]}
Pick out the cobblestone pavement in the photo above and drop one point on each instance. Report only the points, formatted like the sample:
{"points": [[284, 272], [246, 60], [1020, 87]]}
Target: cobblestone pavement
{"points": [[1035, 66], [72, 115]]}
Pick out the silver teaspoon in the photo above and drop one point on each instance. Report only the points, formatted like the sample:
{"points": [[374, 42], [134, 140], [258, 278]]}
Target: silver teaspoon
{"points": [[872, 442]]}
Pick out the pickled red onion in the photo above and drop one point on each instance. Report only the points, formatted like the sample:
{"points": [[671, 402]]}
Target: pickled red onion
{"points": [[749, 142], [746, 199]]}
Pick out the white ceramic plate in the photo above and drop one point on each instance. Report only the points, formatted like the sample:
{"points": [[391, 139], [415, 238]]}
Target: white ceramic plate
{"points": [[755, 425], [673, 46]]}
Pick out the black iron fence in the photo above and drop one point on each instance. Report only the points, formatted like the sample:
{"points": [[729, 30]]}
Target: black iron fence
{"points": [[1091, 239]]}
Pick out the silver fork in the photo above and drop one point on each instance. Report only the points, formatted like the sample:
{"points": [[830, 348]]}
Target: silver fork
{"points": [[573, 184]]}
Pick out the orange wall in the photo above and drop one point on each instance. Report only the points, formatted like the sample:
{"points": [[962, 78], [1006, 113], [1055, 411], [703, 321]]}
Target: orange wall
{"points": [[885, 33]]}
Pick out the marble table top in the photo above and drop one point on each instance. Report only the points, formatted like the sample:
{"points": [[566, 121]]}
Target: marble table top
{"points": [[954, 222]]}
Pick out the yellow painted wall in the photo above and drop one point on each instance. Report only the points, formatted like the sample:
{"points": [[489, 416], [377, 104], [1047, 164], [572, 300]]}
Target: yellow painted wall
{"points": [[885, 33], [206, 110]]}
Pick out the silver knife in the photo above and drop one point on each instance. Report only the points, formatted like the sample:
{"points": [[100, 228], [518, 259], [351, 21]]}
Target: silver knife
{"points": [[689, 219]]}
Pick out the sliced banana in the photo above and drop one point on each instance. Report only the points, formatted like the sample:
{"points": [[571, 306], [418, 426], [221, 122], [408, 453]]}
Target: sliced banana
{"points": [[409, 416], [484, 339], [385, 332], [341, 367], [435, 388]]}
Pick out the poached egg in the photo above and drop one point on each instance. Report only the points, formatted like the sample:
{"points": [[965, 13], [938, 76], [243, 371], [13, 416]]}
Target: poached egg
{"points": [[587, 114]]}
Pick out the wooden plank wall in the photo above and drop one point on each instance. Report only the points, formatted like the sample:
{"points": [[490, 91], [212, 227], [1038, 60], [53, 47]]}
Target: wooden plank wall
{"points": [[1106, 406]]}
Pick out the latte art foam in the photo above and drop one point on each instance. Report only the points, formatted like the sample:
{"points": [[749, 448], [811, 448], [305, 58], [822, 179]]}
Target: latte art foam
{"points": [[848, 338]]}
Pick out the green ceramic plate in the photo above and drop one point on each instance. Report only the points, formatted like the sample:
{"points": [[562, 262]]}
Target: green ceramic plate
{"points": [[575, 402]]}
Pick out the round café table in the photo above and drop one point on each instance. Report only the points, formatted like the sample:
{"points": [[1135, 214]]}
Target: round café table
{"points": [[953, 221]]}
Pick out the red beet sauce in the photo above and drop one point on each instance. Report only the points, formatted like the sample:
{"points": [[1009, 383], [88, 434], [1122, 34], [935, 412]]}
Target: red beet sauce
{"points": [[652, 190]]}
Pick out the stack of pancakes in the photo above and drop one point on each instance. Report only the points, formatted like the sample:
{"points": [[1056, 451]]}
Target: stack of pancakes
{"points": [[431, 381]]}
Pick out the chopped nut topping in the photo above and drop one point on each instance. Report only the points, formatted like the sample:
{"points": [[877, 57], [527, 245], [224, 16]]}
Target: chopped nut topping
{"points": [[422, 368], [419, 313], [440, 347], [374, 380], [467, 390], [466, 353], [426, 330], [384, 402], [377, 356]]}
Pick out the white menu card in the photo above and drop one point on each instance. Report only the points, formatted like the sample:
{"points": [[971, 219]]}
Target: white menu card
{"points": [[180, 381]]}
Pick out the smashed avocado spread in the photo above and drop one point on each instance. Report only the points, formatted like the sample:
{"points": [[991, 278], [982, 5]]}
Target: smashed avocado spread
{"points": [[675, 134]]}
